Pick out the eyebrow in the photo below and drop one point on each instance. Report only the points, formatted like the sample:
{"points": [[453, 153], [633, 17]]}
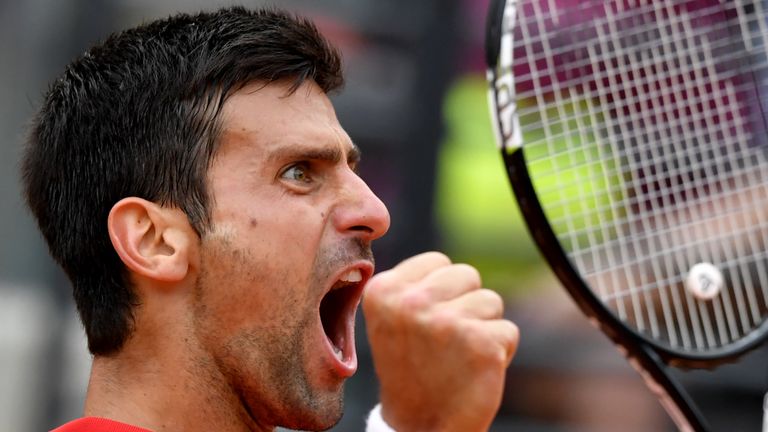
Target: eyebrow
{"points": [[328, 154]]}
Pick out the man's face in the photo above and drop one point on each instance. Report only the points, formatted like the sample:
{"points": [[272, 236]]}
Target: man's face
{"points": [[291, 222]]}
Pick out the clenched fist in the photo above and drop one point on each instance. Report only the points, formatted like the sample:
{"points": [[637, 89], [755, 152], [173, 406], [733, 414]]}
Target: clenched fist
{"points": [[439, 344]]}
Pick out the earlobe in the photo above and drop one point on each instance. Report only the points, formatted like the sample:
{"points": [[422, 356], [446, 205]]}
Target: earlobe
{"points": [[151, 240]]}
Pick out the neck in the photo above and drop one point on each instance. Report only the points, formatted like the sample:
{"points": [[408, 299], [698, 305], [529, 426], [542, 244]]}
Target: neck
{"points": [[158, 382]]}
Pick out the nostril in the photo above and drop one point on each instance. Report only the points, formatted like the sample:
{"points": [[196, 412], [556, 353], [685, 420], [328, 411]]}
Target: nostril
{"points": [[362, 228]]}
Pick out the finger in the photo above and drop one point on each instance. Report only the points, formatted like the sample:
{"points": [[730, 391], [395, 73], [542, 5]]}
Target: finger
{"points": [[447, 283], [417, 267], [504, 333], [481, 304]]}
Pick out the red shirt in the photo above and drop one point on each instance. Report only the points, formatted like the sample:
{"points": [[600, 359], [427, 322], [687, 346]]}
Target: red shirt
{"points": [[96, 424]]}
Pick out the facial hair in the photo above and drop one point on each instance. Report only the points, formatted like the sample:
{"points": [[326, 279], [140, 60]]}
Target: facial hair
{"points": [[266, 365]]}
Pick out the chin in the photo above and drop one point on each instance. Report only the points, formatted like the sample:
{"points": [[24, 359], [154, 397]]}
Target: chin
{"points": [[322, 417]]}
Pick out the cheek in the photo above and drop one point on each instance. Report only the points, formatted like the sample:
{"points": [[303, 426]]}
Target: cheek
{"points": [[243, 291], [258, 268], [292, 229]]}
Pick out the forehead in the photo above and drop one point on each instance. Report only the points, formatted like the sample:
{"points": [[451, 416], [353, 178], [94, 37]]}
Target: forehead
{"points": [[270, 119]]}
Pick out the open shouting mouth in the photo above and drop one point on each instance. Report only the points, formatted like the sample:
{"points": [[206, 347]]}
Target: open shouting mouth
{"points": [[337, 315]]}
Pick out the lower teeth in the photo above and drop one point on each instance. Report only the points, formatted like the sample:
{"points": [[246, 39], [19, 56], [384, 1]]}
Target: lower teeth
{"points": [[337, 351]]}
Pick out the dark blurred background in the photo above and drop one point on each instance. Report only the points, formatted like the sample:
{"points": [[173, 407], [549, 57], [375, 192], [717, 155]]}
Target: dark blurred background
{"points": [[415, 103]]}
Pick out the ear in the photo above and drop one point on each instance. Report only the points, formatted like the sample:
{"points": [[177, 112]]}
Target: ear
{"points": [[151, 240]]}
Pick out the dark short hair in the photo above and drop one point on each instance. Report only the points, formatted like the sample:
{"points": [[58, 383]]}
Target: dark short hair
{"points": [[138, 115]]}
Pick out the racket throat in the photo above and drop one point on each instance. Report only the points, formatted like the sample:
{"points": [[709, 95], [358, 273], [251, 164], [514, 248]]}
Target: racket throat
{"points": [[672, 397]]}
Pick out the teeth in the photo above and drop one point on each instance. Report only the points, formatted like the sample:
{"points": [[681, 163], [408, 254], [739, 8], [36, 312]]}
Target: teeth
{"points": [[352, 276], [339, 354]]}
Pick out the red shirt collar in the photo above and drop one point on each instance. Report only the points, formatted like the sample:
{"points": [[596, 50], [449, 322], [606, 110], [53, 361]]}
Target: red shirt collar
{"points": [[97, 424]]}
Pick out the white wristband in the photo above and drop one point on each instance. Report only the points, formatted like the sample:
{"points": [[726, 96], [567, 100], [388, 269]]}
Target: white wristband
{"points": [[376, 423]]}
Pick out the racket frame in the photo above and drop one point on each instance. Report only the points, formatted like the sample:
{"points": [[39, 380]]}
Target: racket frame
{"points": [[647, 356]]}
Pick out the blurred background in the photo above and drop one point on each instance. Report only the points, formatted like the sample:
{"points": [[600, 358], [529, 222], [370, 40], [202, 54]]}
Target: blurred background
{"points": [[415, 103]]}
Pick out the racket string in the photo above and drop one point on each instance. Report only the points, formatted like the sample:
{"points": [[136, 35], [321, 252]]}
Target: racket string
{"points": [[631, 176], [657, 76]]}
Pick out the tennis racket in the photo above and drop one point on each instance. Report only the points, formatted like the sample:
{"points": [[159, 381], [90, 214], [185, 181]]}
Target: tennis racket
{"points": [[635, 138]]}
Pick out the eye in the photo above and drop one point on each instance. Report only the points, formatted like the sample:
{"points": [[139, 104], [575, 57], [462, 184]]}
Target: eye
{"points": [[298, 173]]}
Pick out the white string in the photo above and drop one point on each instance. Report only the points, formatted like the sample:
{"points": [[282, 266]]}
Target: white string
{"points": [[732, 49], [645, 120]]}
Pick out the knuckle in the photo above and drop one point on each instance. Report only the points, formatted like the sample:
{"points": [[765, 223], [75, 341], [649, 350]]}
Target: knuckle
{"points": [[378, 282], [494, 348], [470, 273], [490, 295], [513, 333], [378, 293], [446, 328], [413, 301], [444, 320], [488, 356], [493, 298], [438, 258]]}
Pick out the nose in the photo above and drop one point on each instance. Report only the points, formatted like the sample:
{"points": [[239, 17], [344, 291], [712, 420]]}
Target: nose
{"points": [[359, 211]]}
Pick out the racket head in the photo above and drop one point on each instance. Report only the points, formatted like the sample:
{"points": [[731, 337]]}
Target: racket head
{"points": [[603, 112]]}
